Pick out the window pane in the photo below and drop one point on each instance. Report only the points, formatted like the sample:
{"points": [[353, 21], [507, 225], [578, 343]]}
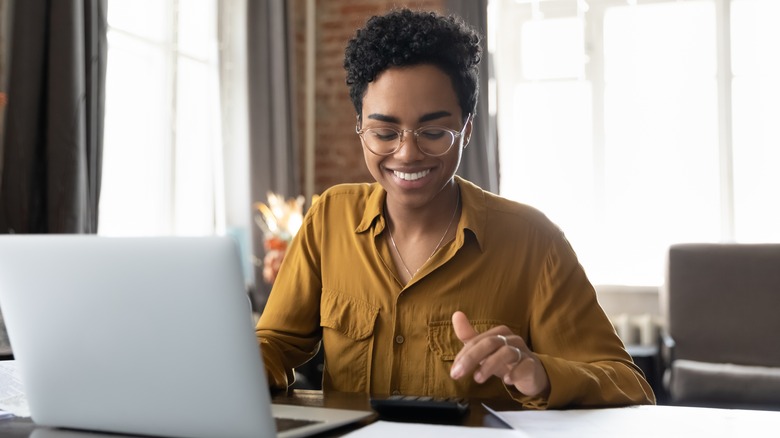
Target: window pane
{"points": [[755, 37], [756, 111], [145, 18], [634, 46], [197, 27], [552, 49], [197, 147], [162, 120], [547, 158], [543, 114], [661, 149], [134, 196]]}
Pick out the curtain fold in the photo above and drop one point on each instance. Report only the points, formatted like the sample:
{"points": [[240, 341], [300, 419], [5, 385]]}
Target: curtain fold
{"points": [[53, 136], [480, 159], [273, 154]]}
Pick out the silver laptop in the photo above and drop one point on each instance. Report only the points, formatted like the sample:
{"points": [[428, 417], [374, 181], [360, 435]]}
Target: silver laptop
{"points": [[151, 336]]}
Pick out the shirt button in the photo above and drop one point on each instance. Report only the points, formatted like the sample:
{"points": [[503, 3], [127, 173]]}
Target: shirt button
{"points": [[399, 339]]}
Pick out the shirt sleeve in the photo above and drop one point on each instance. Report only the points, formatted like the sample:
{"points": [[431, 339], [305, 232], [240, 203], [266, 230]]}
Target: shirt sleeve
{"points": [[585, 360], [289, 331]]}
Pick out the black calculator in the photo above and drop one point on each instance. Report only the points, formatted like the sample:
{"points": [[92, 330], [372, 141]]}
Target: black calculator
{"points": [[415, 406]]}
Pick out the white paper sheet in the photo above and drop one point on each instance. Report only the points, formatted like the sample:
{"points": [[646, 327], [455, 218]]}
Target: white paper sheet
{"points": [[645, 421], [13, 400], [390, 429]]}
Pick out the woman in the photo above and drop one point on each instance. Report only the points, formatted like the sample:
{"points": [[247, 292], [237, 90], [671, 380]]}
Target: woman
{"points": [[422, 283]]}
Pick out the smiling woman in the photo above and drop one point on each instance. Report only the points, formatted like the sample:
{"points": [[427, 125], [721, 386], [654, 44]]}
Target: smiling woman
{"points": [[423, 283]]}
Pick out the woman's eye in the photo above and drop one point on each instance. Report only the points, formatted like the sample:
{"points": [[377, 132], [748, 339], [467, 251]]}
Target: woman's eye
{"points": [[384, 134], [432, 133]]}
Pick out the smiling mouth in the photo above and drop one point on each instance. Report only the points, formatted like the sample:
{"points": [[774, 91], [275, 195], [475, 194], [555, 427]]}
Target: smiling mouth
{"points": [[411, 176]]}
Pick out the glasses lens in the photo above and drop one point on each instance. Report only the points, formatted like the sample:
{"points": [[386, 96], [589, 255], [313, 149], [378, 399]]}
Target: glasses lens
{"points": [[382, 141], [434, 140]]}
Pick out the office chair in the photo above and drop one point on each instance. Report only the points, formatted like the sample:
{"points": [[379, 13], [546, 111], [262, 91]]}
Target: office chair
{"points": [[722, 328]]}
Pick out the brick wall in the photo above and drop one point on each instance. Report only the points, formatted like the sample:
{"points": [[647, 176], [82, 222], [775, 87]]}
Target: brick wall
{"points": [[338, 155]]}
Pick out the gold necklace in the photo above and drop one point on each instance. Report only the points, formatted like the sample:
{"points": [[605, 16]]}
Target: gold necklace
{"points": [[395, 247]]}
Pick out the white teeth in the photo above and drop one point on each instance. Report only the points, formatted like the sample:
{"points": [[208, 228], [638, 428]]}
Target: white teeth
{"points": [[411, 176]]}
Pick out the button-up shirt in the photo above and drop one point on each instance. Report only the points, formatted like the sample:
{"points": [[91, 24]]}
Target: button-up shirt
{"points": [[507, 265]]}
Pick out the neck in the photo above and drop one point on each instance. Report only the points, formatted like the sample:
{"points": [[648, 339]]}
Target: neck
{"points": [[431, 218], [409, 255]]}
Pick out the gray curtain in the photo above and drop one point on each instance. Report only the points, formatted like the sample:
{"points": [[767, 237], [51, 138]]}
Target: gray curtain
{"points": [[273, 155], [480, 159], [54, 125]]}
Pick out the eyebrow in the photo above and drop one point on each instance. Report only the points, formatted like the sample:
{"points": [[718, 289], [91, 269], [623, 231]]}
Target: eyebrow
{"points": [[424, 118]]}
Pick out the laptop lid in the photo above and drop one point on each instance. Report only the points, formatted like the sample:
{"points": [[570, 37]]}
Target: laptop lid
{"points": [[148, 335]]}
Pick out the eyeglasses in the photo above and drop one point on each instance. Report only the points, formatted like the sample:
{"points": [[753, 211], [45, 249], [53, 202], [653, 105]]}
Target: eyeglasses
{"points": [[434, 141]]}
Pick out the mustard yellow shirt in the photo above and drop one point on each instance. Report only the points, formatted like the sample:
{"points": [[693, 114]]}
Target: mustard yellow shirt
{"points": [[508, 264]]}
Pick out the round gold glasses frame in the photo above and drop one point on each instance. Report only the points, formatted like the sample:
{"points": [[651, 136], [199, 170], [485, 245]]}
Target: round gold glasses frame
{"points": [[433, 141]]}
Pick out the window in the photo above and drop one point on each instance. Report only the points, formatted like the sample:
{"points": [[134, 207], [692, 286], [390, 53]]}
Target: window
{"points": [[755, 101], [637, 124], [162, 150]]}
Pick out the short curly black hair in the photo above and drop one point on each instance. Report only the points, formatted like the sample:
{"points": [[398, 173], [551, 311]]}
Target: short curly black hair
{"points": [[403, 38]]}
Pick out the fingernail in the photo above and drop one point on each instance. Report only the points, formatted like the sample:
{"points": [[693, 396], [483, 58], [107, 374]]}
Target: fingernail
{"points": [[456, 371], [478, 377]]}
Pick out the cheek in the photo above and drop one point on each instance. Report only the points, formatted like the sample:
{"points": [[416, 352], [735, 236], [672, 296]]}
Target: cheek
{"points": [[367, 157], [454, 159], [372, 163]]}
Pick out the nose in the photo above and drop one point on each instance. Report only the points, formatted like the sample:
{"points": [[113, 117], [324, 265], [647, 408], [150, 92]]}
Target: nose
{"points": [[408, 151]]}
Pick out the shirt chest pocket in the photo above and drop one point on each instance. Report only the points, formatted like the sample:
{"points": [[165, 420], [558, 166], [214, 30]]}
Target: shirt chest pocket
{"points": [[347, 337], [443, 346], [443, 341]]}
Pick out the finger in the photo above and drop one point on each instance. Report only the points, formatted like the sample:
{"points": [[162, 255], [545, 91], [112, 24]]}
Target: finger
{"points": [[499, 364], [465, 332], [478, 350], [478, 338], [529, 377], [463, 328]]}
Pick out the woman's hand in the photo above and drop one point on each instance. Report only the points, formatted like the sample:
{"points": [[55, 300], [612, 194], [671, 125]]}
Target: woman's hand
{"points": [[497, 352]]}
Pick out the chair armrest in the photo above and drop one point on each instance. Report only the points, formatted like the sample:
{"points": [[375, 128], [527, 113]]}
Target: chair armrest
{"points": [[667, 348], [667, 341]]}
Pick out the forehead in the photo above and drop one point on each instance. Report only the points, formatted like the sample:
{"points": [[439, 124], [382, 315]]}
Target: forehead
{"points": [[411, 92]]}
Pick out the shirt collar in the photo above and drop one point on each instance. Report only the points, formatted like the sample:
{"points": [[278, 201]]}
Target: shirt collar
{"points": [[473, 215], [374, 209]]}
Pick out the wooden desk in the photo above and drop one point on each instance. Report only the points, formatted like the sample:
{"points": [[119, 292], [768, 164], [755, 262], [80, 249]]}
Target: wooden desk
{"points": [[645, 421], [477, 416]]}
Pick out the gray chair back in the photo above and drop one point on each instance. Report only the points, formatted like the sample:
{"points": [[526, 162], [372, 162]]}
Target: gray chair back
{"points": [[723, 302]]}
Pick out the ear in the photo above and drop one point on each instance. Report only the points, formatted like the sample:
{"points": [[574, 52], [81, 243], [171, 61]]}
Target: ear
{"points": [[468, 131]]}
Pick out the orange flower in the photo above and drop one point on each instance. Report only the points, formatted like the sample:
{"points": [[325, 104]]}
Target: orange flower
{"points": [[275, 243], [279, 220]]}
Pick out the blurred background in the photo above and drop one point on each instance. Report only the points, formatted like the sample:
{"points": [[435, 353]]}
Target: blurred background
{"points": [[633, 124]]}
